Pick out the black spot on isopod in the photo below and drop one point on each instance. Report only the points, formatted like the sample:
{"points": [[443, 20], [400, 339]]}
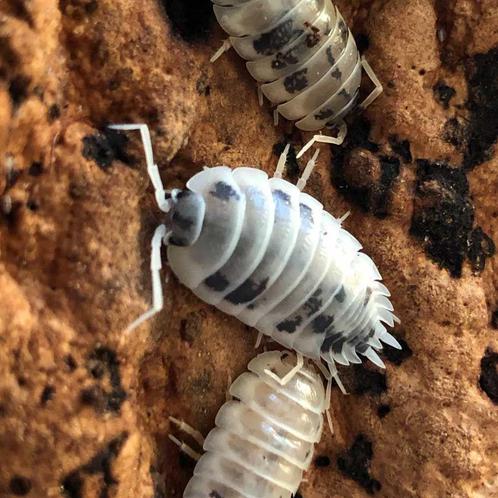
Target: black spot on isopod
{"points": [[103, 363], [281, 195], [368, 381], [488, 380], [215, 494], [272, 41], [47, 394], [217, 281], [325, 113], [20, 486], [343, 29], [290, 325], [341, 294], [19, 89], [397, 356], [291, 164], [322, 461], [190, 19], [306, 215], [105, 147], [444, 93], [330, 56], [355, 463], [337, 74], [482, 130], [401, 147], [72, 485], [321, 323], [314, 303], [494, 319], [312, 38], [224, 191], [247, 291], [183, 222], [443, 218], [297, 81], [36, 168], [345, 94], [383, 410]]}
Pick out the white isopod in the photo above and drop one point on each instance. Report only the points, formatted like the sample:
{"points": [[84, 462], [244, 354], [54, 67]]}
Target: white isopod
{"points": [[265, 252], [303, 57], [264, 439]]}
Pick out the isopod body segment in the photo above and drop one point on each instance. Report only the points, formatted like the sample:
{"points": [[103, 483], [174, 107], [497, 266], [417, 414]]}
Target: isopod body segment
{"points": [[264, 437]]}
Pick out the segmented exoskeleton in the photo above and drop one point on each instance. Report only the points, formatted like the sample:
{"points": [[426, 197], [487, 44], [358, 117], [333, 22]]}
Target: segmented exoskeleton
{"points": [[304, 58], [264, 438], [267, 253]]}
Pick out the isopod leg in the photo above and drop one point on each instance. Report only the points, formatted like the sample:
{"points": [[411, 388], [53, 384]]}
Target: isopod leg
{"points": [[261, 97], [378, 85], [152, 168], [155, 268], [326, 139], [289, 375], [276, 117], [281, 162], [225, 47], [188, 429], [185, 448], [301, 183]]}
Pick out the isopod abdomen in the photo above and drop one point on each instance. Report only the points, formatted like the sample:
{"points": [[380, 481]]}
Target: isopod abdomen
{"points": [[264, 438]]}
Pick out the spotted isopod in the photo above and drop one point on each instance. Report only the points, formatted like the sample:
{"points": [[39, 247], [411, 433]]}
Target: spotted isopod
{"points": [[264, 438], [304, 58], [265, 252]]}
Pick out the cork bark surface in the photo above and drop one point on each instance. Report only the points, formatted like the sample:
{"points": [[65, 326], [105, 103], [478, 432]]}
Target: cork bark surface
{"points": [[83, 408]]}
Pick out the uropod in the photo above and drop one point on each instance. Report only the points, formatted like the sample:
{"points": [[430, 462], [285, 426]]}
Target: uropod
{"points": [[260, 249], [304, 58], [264, 438]]}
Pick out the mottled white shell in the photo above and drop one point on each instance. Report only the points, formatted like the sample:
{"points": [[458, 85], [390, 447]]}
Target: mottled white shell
{"points": [[264, 438], [301, 51], [271, 256]]}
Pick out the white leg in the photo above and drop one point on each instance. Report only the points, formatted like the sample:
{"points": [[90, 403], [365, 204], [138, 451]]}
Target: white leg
{"points": [[344, 217], [281, 162], [327, 404], [152, 168], [325, 139], [155, 268], [275, 117], [301, 183], [258, 340], [188, 429], [228, 396], [225, 47], [289, 375], [185, 448], [261, 97], [378, 85], [335, 375]]}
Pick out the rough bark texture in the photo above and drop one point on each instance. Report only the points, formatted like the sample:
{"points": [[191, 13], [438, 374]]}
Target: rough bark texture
{"points": [[83, 408]]}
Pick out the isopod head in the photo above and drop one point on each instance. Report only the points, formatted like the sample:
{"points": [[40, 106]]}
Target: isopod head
{"points": [[186, 217]]}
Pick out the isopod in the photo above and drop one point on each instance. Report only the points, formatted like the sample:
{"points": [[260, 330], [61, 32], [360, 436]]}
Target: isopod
{"points": [[264, 438], [304, 58], [260, 249]]}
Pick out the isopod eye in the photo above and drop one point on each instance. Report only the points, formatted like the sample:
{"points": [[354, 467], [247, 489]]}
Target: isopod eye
{"points": [[187, 216]]}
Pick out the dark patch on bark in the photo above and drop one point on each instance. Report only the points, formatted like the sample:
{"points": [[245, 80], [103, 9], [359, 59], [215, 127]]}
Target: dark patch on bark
{"points": [[401, 148], [20, 486], [368, 381], [106, 146], [443, 218], [488, 381], [374, 198], [494, 319], [397, 356], [72, 484], [101, 363], [190, 19], [47, 394], [36, 168], [292, 169], [19, 89], [355, 463], [322, 461], [383, 410], [443, 93]]}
